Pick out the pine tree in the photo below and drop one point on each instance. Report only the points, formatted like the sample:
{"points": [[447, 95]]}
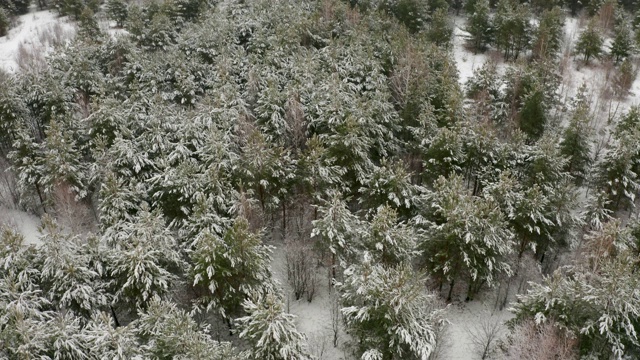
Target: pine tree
{"points": [[144, 260], [590, 42], [548, 36], [479, 25], [597, 301], [576, 140], [167, 332], [87, 25], [467, 237], [440, 29], [270, 330], [68, 277], [117, 11], [227, 270], [388, 240], [512, 29], [622, 46], [388, 312]]}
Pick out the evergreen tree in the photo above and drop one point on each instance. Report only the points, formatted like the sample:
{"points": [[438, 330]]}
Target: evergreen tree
{"points": [[590, 42], [87, 24], [167, 332], [388, 311], [597, 301], [388, 240], [440, 29], [117, 11], [622, 46], [576, 140], [144, 261], [548, 36], [479, 25], [467, 237], [512, 29], [227, 270], [270, 330], [68, 278]]}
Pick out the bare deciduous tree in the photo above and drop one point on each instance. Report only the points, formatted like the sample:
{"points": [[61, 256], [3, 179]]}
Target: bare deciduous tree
{"points": [[485, 336], [300, 264]]}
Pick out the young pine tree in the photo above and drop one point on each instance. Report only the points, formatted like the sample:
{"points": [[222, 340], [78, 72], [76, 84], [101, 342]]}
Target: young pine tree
{"points": [[590, 42], [576, 140], [622, 46], [388, 312], [479, 25], [270, 330], [226, 270]]}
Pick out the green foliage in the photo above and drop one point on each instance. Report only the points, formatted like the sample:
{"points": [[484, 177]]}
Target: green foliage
{"points": [[145, 260], [597, 301], [270, 330], [440, 29], [622, 46], [117, 11], [167, 332], [388, 312], [479, 25], [467, 237], [227, 270], [69, 276], [590, 42], [414, 14], [4, 22], [512, 28], [548, 36], [576, 140], [15, 7]]}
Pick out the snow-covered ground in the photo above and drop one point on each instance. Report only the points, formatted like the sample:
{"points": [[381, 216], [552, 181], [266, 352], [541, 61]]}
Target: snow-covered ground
{"points": [[36, 32], [23, 222]]}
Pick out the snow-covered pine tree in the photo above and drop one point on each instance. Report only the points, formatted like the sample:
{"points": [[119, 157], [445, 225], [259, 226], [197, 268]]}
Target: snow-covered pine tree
{"points": [[597, 300], [622, 46], [590, 42], [167, 332], [479, 25], [512, 28], [270, 330], [388, 312], [549, 34], [467, 237], [388, 240], [576, 139], [144, 260], [227, 270], [67, 276]]}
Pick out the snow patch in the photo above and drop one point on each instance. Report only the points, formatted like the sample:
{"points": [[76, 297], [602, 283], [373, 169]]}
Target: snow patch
{"points": [[26, 224], [35, 32]]}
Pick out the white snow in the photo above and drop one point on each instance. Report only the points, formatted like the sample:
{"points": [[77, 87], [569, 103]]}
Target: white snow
{"points": [[35, 32], [467, 318], [313, 318], [24, 223], [466, 60]]}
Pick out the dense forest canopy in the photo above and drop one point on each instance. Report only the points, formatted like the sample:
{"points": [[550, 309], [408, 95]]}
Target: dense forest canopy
{"points": [[171, 164]]}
